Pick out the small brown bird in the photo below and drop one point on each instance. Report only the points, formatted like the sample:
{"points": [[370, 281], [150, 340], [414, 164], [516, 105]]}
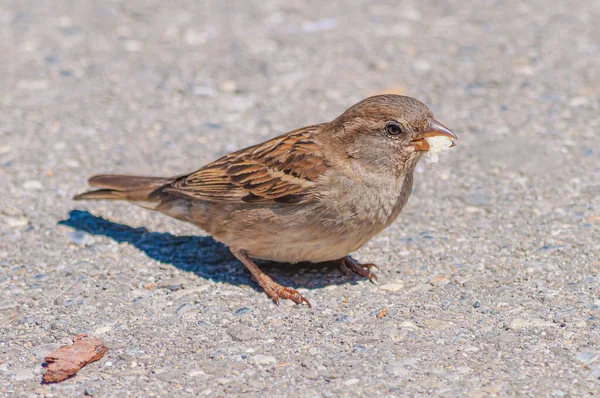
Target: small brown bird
{"points": [[315, 194]]}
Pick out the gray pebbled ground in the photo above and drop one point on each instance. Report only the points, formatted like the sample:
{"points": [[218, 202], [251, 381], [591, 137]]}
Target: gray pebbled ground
{"points": [[490, 276]]}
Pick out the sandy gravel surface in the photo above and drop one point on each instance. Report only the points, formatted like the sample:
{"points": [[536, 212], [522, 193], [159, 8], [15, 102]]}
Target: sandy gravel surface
{"points": [[490, 276]]}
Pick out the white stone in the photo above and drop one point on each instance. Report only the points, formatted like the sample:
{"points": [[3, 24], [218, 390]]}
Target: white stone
{"points": [[102, 330], [519, 323], [392, 287], [264, 360], [32, 185]]}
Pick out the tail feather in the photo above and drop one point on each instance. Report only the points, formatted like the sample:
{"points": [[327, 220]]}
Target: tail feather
{"points": [[124, 182], [99, 194], [123, 187]]}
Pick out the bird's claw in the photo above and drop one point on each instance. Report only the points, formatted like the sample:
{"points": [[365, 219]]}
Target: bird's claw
{"points": [[277, 291], [349, 266]]}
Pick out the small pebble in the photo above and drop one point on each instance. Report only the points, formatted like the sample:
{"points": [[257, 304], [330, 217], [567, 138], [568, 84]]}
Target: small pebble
{"points": [[408, 325], [32, 185], [396, 369], [264, 360], [311, 374], [242, 311], [587, 357], [439, 281], [436, 324], [344, 318], [16, 222], [174, 376], [12, 212], [392, 287], [243, 333], [530, 323], [186, 292], [421, 287], [81, 238], [172, 284], [185, 309], [228, 86], [72, 163], [196, 373], [102, 330]]}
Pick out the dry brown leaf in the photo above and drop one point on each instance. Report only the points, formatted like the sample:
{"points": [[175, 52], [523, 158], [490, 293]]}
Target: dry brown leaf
{"points": [[382, 313], [69, 359]]}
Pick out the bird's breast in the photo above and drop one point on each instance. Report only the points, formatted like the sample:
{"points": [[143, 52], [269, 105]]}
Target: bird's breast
{"points": [[366, 205]]}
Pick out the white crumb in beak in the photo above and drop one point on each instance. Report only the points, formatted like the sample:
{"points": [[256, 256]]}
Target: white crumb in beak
{"points": [[437, 144]]}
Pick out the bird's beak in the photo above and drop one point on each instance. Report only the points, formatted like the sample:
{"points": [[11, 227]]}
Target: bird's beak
{"points": [[435, 129]]}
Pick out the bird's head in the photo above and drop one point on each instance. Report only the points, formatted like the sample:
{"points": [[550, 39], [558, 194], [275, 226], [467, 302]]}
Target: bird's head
{"points": [[386, 133]]}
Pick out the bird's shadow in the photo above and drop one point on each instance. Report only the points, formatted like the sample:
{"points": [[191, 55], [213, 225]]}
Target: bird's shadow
{"points": [[204, 256]]}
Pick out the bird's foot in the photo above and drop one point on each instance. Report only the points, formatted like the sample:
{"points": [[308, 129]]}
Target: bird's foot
{"points": [[276, 291], [350, 266], [273, 289]]}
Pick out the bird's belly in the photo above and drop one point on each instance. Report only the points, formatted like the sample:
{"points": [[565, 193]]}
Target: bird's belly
{"points": [[315, 232], [292, 235], [303, 248]]}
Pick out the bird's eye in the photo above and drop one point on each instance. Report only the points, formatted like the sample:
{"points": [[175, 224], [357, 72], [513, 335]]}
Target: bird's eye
{"points": [[393, 128]]}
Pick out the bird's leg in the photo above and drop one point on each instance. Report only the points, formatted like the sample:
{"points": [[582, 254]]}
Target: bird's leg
{"points": [[273, 290], [348, 266]]}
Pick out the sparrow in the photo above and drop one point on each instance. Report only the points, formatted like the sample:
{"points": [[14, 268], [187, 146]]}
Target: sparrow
{"points": [[315, 194]]}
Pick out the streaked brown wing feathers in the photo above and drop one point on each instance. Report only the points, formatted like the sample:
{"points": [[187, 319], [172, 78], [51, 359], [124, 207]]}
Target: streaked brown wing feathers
{"points": [[281, 170]]}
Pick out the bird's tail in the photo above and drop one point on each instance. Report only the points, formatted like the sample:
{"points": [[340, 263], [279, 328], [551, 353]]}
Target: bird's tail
{"points": [[143, 190]]}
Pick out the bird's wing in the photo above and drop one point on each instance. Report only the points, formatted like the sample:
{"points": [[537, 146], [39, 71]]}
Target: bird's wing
{"points": [[281, 170]]}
